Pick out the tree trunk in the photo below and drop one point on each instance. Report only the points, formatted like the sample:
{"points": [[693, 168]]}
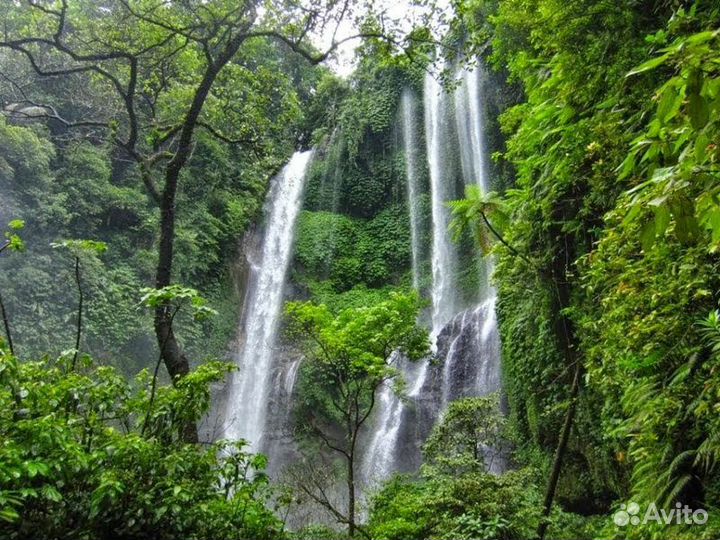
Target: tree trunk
{"points": [[6, 324], [78, 329], [565, 335], [175, 360], [351, 495], [559, 454]]}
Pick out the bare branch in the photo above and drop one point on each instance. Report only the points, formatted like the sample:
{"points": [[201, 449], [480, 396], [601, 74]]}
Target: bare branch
{"points": [[228, 140], [316, 58], [53, 115]]}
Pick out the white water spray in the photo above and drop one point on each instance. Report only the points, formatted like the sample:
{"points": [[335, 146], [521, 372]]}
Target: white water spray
{"points": [[470, 120], [444, 259], [467, 341]]}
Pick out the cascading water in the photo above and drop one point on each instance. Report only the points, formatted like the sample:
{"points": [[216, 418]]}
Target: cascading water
{"points": [[470, 119], [379, 460], [466, 341], [410, 146], [247, 403], [474, 329], [382, 455], [444, 257], [470, 346]]}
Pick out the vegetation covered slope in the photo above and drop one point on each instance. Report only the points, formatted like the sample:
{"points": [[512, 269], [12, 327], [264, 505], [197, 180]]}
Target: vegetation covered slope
{"points": [[67, 178], [613, 271], [607, 273]]}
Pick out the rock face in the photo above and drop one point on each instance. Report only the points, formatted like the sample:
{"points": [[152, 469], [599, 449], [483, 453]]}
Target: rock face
{"points": [[467, 364], [469, 347]]}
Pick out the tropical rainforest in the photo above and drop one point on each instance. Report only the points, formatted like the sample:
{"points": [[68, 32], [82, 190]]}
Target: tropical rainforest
{"points": [[235, 278]]}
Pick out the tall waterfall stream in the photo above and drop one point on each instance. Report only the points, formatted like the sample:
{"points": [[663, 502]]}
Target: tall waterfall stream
{"points": [[247, 402]]}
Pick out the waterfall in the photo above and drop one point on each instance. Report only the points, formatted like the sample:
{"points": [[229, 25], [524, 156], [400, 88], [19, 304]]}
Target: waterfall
{"points": [[444, 260], [474, 329], [466, 341], [470, 119], [410, 147], [470, 346], [247, 403], [470, 95], [381, 459]]}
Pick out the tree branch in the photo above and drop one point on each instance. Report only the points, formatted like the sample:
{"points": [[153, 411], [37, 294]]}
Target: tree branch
{"points": [[215, 133], [497, 235]]}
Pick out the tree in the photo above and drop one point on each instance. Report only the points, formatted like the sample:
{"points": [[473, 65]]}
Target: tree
{"points": [[78, 462], [477, 212], [12, 242], [165, 71], [348, 358], [467, 439], [80, 249]]}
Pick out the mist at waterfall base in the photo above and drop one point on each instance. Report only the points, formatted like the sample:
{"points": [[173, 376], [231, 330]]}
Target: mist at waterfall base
{"points": [[444, 149]]}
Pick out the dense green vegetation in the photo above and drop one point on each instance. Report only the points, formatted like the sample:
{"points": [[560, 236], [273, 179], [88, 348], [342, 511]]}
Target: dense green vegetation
{"points": [[143, 156], [612, 269], [88, 453], [76, 188], [348, 359], [355, 231], [456, 497]]}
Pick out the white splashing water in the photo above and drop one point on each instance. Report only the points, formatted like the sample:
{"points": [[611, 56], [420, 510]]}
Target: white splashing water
{"points": [[467, 342], [291, 377], [378, 460], [380, 455], [472, 331], [248, 397]]}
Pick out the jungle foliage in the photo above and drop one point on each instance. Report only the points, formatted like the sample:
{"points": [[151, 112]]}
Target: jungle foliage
{"points": [[89, 453], [605, 228], [611, 226], [348, 358], [68, 179]]}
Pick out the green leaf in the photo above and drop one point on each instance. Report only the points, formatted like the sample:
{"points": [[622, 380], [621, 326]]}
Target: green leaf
{"points": [[702, 37], [669, 104], [9, 514], [698, 110], [701, 144], [647, 235], [662, 220], [78, 247], [649, 65]]}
